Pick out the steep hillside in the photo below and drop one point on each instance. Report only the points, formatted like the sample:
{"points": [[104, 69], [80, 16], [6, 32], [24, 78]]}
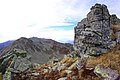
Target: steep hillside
{"points": [[40, 50]]}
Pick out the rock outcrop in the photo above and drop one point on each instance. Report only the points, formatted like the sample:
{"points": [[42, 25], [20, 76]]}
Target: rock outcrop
{"points": [[93, 35], [72, 67], [114, 20]]}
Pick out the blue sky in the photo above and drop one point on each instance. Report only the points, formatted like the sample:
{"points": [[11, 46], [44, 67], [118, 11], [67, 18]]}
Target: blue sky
{"points": [[53, 19]]}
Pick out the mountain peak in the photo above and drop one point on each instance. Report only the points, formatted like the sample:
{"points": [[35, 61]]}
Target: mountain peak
{"points": [[39, 48]]}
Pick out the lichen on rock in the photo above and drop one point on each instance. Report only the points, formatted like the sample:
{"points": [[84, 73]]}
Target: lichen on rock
{"points": [[106, 74], [93, 33]]}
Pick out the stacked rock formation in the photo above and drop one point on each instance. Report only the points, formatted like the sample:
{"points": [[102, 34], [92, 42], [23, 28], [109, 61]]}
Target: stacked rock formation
{"points": [[93, 34]]}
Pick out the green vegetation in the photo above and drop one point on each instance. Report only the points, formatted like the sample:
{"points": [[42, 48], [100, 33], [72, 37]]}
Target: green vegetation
{"points": [[19, 53]]}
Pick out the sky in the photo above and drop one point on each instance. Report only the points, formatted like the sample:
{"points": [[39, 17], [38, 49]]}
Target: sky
{"points": [[53, 19]]}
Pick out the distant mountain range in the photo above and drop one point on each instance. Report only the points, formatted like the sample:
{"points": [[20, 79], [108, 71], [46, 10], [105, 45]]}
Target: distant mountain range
{"points": [[39, 49], [5, 44], [70, 41]]}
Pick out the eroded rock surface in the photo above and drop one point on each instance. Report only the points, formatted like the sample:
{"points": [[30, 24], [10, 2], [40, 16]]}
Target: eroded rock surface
{"points": [[93, 33]]}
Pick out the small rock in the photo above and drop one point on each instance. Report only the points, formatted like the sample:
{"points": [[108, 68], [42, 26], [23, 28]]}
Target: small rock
{"points": [[68, 71], [74, 65], [35, 74], [62, 66], [54, 68], [22, 64], [45, 70], [63, 78]]}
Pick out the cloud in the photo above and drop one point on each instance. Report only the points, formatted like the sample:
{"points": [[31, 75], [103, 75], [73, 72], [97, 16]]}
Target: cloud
{"points": [[59, 35], [28, 18], [32, 17]]}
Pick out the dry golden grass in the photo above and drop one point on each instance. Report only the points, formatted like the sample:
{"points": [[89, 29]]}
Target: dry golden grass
{"points": [[62, 73], [108, 60], [85, 74], [69, 62], [114, 36], [116, 27], [115, 33]]}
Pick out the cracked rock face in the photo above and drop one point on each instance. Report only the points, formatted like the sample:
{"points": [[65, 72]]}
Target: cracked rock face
{"points": [[93, 34]]}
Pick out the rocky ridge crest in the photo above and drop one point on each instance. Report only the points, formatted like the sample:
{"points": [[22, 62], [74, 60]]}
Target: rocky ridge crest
{"points": [[95, 35]]}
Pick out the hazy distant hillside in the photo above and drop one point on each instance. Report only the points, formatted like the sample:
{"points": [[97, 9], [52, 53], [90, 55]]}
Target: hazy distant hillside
{"points": [[39, 49], [4, 44]]}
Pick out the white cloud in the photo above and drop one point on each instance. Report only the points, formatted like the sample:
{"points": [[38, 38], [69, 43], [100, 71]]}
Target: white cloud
{"points": [[30, 18]]}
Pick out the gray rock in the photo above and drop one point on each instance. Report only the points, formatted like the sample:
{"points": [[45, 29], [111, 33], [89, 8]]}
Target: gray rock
{"points": [[63, 78], [98, 12], [35, 74], [106, 74], [45, 70], [93, 34], [73, 65], [80, 64], [58, 67], [22, 64], [68, 71], [118, 40], [114, 20]]}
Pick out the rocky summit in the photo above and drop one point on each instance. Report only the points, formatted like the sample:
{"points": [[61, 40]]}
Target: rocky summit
{"points": [[96, 55], [93, 35]]}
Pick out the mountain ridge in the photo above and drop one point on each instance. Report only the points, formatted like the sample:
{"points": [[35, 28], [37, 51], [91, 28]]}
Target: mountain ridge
{"points": [[40, 49]]}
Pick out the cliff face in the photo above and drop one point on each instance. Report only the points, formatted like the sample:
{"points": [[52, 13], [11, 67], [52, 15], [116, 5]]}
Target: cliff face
{"points": [[93, 35]]}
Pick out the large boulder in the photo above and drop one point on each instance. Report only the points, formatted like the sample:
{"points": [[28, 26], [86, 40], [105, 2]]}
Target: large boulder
{"points": [[106, 74], [93, 33], [15, 61]]}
